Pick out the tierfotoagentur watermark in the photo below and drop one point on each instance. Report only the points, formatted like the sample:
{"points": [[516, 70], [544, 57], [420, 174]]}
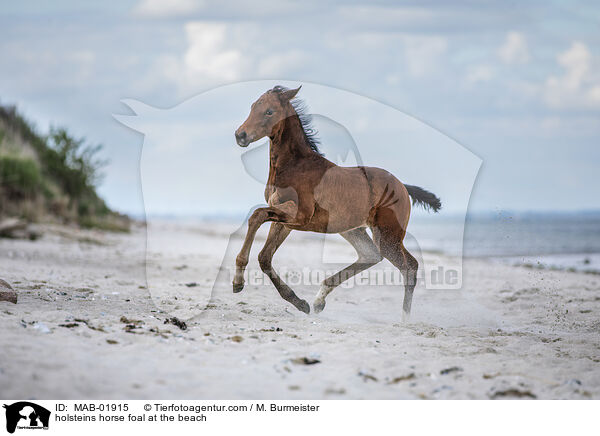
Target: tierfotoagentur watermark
{"points": [[192, 167], [386, 276]]}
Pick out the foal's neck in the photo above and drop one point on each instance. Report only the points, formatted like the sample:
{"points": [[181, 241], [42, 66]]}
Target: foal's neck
{"points": [[289, 143], [288, 147]]}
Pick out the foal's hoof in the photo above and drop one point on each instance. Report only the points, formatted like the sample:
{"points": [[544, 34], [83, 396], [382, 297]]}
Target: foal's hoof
{"points": [[303, 306], [237, 287], [405, 317], [319, 305]]}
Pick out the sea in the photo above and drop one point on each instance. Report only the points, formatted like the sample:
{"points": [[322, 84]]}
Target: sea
{"points": [[552, 240], [545, 240]]}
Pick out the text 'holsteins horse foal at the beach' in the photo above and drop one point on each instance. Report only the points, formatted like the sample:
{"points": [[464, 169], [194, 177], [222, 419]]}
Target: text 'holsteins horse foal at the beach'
{"points": [[307, 192]]}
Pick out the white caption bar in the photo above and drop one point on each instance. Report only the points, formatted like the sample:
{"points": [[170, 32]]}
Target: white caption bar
{"points": [[295, 417]]}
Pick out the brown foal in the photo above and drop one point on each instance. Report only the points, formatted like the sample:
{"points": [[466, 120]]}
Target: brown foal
{"points": [[307, 192]]}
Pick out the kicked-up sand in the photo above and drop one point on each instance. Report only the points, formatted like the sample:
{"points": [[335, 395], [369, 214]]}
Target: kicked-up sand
{"points": [[90, 324]]}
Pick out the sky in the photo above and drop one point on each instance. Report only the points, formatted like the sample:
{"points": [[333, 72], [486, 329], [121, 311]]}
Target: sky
{"points": [[515, 83]]}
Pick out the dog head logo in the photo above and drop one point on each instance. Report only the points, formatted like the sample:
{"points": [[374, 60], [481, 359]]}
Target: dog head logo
{"points": [[26, 415]]}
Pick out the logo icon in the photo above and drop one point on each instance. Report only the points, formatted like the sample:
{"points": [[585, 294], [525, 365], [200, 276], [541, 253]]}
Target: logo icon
{"points": [[26, 415]]}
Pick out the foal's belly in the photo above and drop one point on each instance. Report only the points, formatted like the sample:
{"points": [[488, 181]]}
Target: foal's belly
{"points": [[342, 201]]}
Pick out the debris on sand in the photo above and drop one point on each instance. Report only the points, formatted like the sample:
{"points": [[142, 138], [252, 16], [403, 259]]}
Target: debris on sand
{"points": [[111, 341], [272, 329], [191, 284], [136, 322], [131, 324], [513, 393], [176, 322], [91, 327], [69, 325], [236, 338], [7, 293], [157, 332], [450, 370], [489, 376], [39, 326], [366, 376], [129, 328], [305, 361], [402, 378]]}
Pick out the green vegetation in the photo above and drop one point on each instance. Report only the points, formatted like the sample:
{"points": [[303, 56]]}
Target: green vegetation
{"points": [[20, 178], [52, 177]]}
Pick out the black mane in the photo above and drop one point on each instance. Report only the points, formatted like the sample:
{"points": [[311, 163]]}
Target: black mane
{"points": [[310, 133]]}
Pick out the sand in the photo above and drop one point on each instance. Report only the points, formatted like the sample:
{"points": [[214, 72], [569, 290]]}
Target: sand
{"points": [[89, 324]]}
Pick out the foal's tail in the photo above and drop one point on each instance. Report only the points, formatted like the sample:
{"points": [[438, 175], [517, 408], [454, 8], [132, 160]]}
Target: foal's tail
{"points": [[424, 198]]}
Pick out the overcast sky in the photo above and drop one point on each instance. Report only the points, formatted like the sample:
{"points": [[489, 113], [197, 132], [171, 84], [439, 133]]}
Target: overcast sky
{"points": [[517, 84]]}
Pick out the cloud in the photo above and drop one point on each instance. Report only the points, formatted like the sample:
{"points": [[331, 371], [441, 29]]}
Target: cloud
{"points": [[425, 17], [282, 63], [213, 56], [412, 54], [207, 54], [216, 53], [384, 17], [514, 50], [422, 54], [480, 73], [162, 9], [579, 86]]}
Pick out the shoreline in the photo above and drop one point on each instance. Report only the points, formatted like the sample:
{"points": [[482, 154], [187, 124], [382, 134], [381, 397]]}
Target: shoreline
{"points": [[584, 263]]}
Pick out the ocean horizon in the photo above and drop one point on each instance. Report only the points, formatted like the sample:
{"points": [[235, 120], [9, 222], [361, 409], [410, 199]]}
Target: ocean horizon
{"points": [[567, 240]]}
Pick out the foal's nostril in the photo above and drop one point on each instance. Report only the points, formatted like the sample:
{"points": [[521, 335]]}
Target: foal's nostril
{"points": [[240, 136]]}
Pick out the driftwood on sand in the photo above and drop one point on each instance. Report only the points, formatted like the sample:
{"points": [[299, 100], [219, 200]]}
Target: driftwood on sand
{"points": [[7, 293], [17, 228], [9, 225]]}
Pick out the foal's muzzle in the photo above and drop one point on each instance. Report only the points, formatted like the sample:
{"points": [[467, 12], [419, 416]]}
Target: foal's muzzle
{"points": [[241, 138]]}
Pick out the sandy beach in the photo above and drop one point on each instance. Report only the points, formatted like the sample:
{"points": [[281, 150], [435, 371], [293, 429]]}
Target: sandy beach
{"points": [[90, 323]]}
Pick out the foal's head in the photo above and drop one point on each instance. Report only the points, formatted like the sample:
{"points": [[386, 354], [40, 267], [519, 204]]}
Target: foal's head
{"points": [[271, 108]]}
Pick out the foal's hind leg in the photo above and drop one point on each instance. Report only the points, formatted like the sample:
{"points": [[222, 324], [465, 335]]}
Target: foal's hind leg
{"points": [[389, 240], [368, 255], [277, 234], [410, 280]]}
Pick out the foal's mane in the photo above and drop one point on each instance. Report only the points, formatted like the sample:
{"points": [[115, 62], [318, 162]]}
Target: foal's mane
{"points": [[310, 133]]}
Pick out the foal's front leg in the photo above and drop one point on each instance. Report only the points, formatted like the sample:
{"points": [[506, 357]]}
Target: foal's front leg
{"points": [[277, 235], [257, 219]]}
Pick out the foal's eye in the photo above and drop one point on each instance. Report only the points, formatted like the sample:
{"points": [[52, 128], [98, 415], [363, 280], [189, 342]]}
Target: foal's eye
{"points": [[269, 112]]}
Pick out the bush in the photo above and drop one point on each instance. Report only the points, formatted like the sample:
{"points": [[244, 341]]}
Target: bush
{"points": [[66, 171], [72, 163], [20, 178]]}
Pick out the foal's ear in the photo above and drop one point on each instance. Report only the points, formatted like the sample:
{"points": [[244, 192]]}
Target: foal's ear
{"points": [[290, 93]]}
